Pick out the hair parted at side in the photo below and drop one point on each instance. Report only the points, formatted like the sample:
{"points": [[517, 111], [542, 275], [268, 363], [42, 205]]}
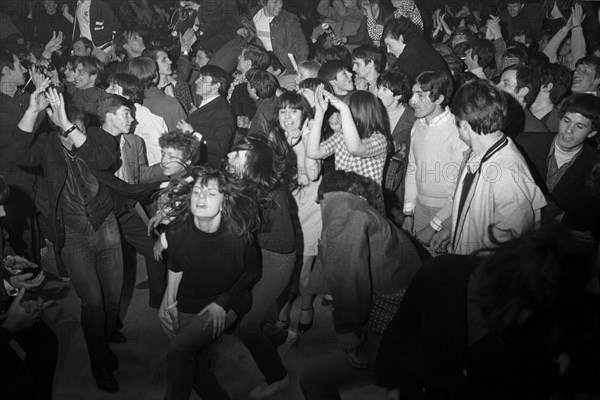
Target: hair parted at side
{"points": [[585, 104], [111, 103], [401, 26], [482, 105], [368, 52], [437, 83], [146, 69]]}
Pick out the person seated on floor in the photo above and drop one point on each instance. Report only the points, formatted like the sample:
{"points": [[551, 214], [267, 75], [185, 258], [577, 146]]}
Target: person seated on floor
{"points": [[20, 320], [507, 324], [214, 219], [367, 264]]}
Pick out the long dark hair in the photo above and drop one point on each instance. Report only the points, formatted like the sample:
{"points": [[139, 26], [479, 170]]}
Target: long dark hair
{"points": [[239, 207], [267, 162], [369, 115]]}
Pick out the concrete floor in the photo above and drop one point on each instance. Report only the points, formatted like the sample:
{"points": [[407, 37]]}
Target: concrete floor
{"points": [[142, 365]]}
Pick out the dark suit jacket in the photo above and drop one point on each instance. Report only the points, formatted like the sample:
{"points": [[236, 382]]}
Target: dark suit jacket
{"points": [[216, 122], [419, 56], [571, 194]]}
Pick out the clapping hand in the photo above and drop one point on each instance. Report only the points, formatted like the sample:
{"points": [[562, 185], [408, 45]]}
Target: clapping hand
{"points": [[57, 112], [577, 15], [321, 101], [39, 100], [187, 39], [54, 44]]}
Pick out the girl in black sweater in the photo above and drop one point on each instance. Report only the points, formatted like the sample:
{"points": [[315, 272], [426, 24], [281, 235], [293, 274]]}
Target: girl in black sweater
{"points": [[211, 266]]}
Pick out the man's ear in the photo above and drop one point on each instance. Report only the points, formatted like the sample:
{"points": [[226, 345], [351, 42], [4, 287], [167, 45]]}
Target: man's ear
{"points": [[465, 126], [548, 87], [591, 134], [401, 39], [5, 70], [440, 99]]}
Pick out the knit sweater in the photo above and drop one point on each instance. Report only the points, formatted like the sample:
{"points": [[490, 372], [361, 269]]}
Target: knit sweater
{"points": [[435, 155]]}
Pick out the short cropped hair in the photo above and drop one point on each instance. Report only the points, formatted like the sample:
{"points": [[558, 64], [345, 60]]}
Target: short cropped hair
{"points": [[110, 103], [529, 78], [484, 50], [313, 83], [397, 81], [218, 75], [145, 68], [368, 52], [482, 105], [437, 83], [263, 82], [91, 65], [258, 55], [131, 85], [310, 65], [185, 142], [559, 76], [330, 69], [590, 61], [585, 104], [401, 26], [87, 43]]}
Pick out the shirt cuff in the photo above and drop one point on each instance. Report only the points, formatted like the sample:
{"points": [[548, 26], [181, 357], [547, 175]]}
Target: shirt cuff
{"points": [[198, 136], [436, 224], [409, 208]]}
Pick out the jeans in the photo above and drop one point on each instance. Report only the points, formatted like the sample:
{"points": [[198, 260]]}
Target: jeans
{"points": [[276, 271], [135, 232], [321, 380], [95, 263], [187, 368]]}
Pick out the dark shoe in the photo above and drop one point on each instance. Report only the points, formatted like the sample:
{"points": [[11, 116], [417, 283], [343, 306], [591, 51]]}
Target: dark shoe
{"points": [[113, 361], [105, 380], [117, 337], [305, 327]]}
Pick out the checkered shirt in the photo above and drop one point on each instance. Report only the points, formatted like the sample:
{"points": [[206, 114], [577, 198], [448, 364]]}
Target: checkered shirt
{"points": [[370, 166]]}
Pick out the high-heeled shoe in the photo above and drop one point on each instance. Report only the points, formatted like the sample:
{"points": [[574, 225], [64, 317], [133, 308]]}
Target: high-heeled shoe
{"points": [[305, 327]]}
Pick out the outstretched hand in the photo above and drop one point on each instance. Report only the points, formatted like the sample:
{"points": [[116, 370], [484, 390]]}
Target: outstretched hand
{"points": [[57, 112], [321, 101]]}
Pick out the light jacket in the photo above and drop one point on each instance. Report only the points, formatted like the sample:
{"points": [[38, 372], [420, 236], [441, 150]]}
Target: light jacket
{"points": [[503, 201]]}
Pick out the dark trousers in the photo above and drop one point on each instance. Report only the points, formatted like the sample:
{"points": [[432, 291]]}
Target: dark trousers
{"points": [[321, 380], [32, 377], [95, 263], [135, 233], [276, 271], [187, 366]]}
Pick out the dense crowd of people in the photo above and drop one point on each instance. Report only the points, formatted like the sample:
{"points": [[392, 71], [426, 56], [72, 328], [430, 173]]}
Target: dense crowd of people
{"points": [[432, 169]]}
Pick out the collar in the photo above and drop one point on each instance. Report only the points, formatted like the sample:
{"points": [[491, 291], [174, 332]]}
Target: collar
{"points": [[475, 161], [440, 119], [209, 100]]}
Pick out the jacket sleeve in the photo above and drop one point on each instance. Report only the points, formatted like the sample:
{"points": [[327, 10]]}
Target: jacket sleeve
{"points": [[328, 11], [299, 45], [100, 151], [344, 253], [24, 150]]}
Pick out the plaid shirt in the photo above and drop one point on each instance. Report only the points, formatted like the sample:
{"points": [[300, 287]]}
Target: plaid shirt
{"points": [[409, 9], [370, 166]]}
